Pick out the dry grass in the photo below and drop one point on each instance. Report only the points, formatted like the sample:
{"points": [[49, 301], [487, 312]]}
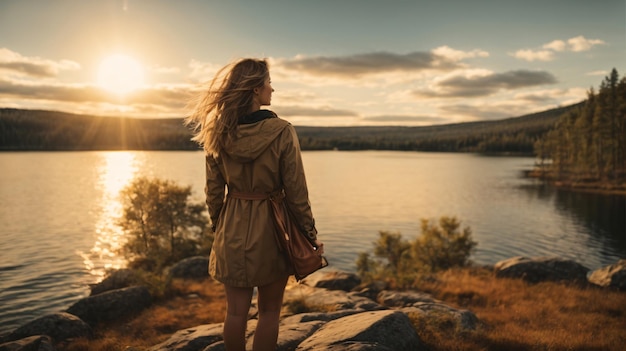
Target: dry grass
{"points": [[190, 303], [514, 315], [521, 316]]}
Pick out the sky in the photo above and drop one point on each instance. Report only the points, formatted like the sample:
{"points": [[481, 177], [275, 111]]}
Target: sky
{"points": [[332, 62]]}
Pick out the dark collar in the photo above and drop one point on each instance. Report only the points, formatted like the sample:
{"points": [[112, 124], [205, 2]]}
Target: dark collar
{"points": [[256, 116]]}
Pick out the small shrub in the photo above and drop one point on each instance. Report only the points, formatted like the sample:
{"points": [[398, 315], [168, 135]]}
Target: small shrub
{"points": [[403, 263], [162, 225]]}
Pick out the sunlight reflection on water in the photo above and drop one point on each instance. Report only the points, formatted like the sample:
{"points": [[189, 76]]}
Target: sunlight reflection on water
{"points": [[116, 170]]}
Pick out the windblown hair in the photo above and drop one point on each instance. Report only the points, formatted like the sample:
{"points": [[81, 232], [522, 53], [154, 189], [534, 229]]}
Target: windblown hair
{"points": [[229, 96]]}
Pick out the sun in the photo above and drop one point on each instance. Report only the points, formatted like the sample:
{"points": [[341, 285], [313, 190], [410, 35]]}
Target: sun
{"points": [[120, 74]]}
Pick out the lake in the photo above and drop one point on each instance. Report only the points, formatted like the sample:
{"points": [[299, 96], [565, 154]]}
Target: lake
{"points": [[58, 212]]}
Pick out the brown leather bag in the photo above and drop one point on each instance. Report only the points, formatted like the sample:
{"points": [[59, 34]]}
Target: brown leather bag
{"points": [[299, 251]]}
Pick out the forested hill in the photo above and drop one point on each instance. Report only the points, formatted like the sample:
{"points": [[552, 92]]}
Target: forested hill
{"points": [[52, 130]]}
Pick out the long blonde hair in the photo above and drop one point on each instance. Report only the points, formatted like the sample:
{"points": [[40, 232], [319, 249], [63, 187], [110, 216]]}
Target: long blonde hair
{"points": [[229, 96]]}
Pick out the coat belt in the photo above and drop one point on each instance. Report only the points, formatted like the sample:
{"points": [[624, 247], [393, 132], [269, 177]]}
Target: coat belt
{"points": [[275, 195]]}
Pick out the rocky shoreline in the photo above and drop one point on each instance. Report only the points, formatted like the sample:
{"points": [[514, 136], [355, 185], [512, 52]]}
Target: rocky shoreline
{"points": [[357, 317]]}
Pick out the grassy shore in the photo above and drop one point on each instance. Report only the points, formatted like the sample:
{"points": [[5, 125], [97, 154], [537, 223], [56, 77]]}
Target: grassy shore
{"points": [[583, 185], [514, 315]]}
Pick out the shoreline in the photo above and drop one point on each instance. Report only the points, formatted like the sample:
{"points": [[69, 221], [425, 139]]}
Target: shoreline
{"points": [[590, 187]]}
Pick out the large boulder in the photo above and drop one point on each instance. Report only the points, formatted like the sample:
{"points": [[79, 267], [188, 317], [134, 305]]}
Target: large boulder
{"points": [[117, 279], [613, 276], [33, 343], [333, 280], [425, 306], [112, 305], [397, 299], [463, 319], [196, 267], [192, 339], [291, 334], [59, 326], [540, 269], [329, 299], [388, 329], [352, 322]]}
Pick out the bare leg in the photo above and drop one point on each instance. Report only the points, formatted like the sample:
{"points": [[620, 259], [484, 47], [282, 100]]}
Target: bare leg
{"points": [[238, 305], [270, 302]]}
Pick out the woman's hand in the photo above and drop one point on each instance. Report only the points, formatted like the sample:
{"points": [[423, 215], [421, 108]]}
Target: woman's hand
{"points": [[320, 246]]}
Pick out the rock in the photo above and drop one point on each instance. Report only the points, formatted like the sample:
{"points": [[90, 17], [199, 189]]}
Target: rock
{"points": [[612, 276], [192, 339], [318, 316], [58, 326], [328, 300], [389, 329], [196, 267], [333, 280], [290, 335], [112, 305], [118, 279], [355, 346], [208, 337], [464, 319], [403, 298], [218, 346], [371, 290], [32, 343], [424, 304], [540, 269]]}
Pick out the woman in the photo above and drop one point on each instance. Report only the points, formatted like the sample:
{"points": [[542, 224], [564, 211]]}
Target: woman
{"points": [[249, 151]]}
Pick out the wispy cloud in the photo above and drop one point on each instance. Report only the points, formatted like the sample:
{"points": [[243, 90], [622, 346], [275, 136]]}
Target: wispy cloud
{"points": [[405, 119], [166, 70], [202, 71], [598, 73], [311, 111], [581, 43], [546, 52], [33, 66], [173, 97], [486, 84], [535, 55], [552, 96], [480, 112], [357, 65]]}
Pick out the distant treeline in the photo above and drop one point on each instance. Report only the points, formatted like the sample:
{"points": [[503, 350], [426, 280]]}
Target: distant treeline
{"points": [[588, 143], [51, 130], [512, 135]]}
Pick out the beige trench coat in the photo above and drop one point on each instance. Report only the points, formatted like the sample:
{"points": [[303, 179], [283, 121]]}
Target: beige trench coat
{"points": [[264, 157]]}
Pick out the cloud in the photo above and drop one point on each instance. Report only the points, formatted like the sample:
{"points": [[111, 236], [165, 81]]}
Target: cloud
{"points": [[308, 111], [486, 84], [598, 73], [33, 66], [355, 66], [555, 45], [202, 71], [405, 119], [581, 43], [530, 55], [166, 70], [487, 111], [173, 96], [553, 96], [458, 55], [546, 53]]}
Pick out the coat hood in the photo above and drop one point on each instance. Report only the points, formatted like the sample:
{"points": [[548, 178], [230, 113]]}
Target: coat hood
{"points": [[255, 133]]}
